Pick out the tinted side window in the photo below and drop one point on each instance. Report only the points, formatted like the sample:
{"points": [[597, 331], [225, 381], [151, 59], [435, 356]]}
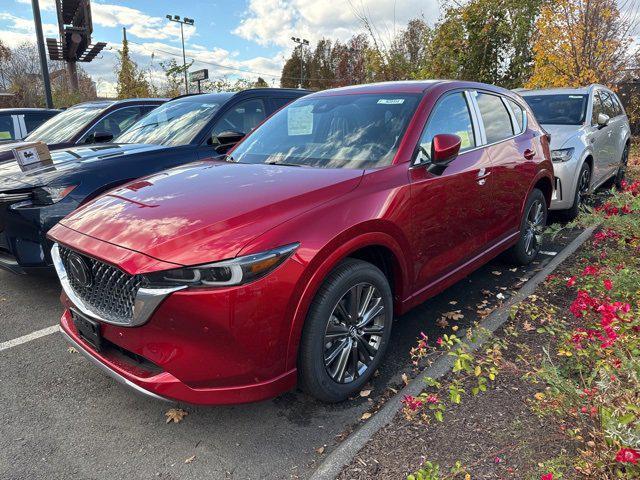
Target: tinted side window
{"points": [[450, 115], [243, 117], [519, 113], [117, 121], [34, 120], [6, 128], [617, 105], [497, 123], [278, 103], [597, 108]]}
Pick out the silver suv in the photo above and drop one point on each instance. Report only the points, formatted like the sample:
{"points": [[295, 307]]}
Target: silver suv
{"points": [[590, 139]]}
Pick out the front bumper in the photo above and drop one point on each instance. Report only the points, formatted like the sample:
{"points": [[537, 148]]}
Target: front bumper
{"points": [[203, 346], [565, 185]]}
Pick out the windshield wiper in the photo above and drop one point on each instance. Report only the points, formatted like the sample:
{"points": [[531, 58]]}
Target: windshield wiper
{"points": [[273, 162]]}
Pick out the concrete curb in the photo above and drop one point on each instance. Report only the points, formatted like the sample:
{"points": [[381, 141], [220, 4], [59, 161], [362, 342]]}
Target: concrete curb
{"points": [[335, 461]]}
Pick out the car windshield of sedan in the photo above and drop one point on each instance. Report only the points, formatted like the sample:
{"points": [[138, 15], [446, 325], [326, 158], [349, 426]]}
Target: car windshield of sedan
{"points": [[174, 123], [343, 131], [558, 109], [65, 125]]}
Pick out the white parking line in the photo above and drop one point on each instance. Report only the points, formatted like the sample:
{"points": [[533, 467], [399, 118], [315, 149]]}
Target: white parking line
{"points": [[27, 338], [550, 254]]}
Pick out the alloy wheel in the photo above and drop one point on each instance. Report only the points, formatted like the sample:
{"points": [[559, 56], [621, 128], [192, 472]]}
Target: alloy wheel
{"points": [[354, 333], [583, 185], [534, 228], [622, 170]]}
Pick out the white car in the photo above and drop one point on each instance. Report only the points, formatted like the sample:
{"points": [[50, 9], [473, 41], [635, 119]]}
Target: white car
{"points": [[590, 138]]}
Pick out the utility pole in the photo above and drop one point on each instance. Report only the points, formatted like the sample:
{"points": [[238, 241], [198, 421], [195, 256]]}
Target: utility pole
{"points": [[182, 22], [41, 52], [301, 43]]}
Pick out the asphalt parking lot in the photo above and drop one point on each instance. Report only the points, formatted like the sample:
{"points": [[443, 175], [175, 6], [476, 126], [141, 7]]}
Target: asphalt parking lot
{"points": [[60, 417]]}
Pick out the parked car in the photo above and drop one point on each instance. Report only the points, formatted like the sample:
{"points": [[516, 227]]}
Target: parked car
{"points": [[229, 281], [86, 123], [180, 131], [590, 139], [17, 123]]}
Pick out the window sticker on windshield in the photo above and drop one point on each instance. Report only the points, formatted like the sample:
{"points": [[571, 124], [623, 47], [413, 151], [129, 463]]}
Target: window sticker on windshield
{"points": [[391, 101], [576, 96], [300, 120]]}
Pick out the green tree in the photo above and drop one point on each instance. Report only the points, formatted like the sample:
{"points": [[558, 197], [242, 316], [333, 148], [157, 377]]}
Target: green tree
{"points": [[131, 81], [260, 83]]}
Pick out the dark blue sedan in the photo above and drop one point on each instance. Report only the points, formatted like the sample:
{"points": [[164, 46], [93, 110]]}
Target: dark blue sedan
{"points": [[184, 130]]}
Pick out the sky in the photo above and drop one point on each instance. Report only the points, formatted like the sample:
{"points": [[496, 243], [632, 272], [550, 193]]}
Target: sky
{"points": [[237, 38]]}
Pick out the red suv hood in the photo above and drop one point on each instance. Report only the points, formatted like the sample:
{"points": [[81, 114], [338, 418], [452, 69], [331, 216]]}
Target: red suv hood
{"points": [[207, 211]]}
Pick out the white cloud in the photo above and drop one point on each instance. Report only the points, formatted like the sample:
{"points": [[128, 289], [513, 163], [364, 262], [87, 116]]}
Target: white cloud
{"points": [[26, 25], [274, 22], [138, 23], [47, 5]]}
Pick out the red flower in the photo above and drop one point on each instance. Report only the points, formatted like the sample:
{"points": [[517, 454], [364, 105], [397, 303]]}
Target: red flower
{"points": [[412, 402], [547, 476], [439, 341], [590, 270], [628, 455], [571, 282], [608, 284]]}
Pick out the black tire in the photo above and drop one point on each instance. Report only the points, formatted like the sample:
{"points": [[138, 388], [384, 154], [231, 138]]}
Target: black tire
{"points": [[328, 316], [622, 169], [582, 189], [523, 253]]}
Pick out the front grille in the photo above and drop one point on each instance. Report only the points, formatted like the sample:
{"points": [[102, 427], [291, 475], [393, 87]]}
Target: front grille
{"points": [[108, 291]]}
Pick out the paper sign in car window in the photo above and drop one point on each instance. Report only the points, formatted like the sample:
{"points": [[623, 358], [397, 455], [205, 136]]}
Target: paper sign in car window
{"points": [[465, 139], [300, 120], [391, 101]]}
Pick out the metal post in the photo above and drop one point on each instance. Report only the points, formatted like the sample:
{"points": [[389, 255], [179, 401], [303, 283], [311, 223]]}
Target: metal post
{"points": [[42, 53], [184, 60]]}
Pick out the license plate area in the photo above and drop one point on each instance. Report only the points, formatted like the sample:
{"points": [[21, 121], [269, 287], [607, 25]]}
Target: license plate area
{"points": [[89, 330]]}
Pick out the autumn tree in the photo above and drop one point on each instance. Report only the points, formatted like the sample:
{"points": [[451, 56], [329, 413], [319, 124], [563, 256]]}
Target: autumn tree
{"points": [[131, 80], [579, 42]]}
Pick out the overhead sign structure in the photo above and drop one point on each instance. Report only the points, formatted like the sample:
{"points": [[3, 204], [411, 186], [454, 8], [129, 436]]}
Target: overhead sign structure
{"points": [[198, 76], [74, 44]]}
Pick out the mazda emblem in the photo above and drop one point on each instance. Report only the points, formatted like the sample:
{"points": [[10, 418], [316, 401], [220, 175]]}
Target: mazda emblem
{"points": [[79, 271]]}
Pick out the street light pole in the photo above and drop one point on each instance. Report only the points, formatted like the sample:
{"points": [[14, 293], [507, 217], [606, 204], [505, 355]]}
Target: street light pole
{"points": [[182, 22], [41, 52], [301, 43]]}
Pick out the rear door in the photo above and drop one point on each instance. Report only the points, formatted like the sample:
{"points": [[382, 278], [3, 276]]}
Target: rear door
{"points": [[513, 156], [449, 207]]}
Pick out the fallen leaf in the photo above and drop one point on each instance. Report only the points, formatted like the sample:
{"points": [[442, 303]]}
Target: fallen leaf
{"points": [[453, 302], [500, 296], [513, 269], [405, 378], [175, 415], [454, 315], [190, 459], [72, 350], [455, 328], [486, 293], [393, 389], [496, 272], [527, 326], [320, 450], [365, 393], [442, 323], [365, 416]]}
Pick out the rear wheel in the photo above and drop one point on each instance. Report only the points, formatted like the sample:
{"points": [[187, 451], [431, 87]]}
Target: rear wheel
{"points": [[622, 169], [531, 228], [582, 190], [346, 332]]}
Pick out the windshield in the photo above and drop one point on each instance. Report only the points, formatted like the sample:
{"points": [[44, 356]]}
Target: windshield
{"points": [[173, 123], [345, 131], [65, 125], [558, 109]]}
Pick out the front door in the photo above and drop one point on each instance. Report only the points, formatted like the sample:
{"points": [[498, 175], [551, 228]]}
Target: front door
{"points": [[600, 138], [449, 208]]}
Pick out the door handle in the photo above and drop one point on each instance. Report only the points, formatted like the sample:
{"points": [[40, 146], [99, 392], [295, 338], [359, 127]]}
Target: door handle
{"points": [[529, 154]]}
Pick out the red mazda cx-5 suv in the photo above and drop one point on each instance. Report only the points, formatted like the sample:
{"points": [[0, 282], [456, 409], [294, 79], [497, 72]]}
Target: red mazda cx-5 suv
{"points": [[232, 281]]}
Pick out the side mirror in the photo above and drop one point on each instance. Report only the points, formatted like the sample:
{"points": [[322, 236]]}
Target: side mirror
{"points": [[99, 137], [225, 140], [603, 120], [444, 148]]}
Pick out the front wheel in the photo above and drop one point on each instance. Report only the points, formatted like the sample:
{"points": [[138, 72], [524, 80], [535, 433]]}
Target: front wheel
{"points": [[582, 190], [531, 228], [346, 331]]}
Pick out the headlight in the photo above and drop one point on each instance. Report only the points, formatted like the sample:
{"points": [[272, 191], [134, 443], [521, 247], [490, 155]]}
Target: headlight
{"points": [[51, 195], [562, 155], [228, 272]]}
